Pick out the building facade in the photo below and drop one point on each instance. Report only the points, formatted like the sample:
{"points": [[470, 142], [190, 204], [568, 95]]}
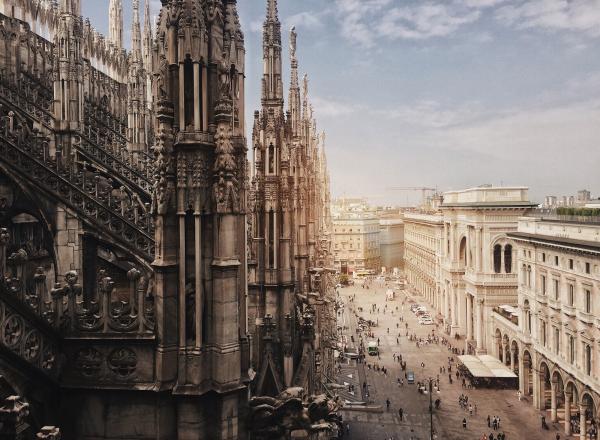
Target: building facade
{"points": [[391, 241], [423, 250], [553, 343], [356, 243], [478, 268]]}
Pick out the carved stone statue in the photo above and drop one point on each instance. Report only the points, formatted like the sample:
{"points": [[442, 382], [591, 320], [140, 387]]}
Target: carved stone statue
{"points": [[293, 39]]}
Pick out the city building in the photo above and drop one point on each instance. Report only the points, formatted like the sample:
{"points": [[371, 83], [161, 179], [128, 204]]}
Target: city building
{"points": [[423, 250], [478, 260], [391, 241], [583, 196], [551, 339], [581, 199], [356, 241]]}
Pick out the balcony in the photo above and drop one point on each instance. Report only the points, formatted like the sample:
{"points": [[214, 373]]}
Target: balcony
{"points": [[491, 278], [554, 303], [568, 310], [587, 318]]}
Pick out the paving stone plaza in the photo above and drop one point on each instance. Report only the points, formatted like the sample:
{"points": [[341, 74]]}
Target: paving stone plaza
{"points": [[518, 419]]}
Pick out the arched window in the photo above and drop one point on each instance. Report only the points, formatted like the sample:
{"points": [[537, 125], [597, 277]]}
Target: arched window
{"points": [[497, 258], [508, 258]]}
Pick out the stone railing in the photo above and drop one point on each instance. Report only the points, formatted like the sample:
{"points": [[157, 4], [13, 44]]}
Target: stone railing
{"points": [[66, 309], [115, 212], [99, 143]]}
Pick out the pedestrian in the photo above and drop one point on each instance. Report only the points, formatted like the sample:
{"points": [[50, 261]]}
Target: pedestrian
{"points": [[519, 395], [401, 414], [491, 437], [464, 423], [557, 436], [488, 420], [348, 429], [388, 403]]}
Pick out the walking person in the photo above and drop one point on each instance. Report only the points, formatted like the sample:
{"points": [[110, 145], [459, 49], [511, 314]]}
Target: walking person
{"points": [[488, 420], [464, 423], [401, 414]]}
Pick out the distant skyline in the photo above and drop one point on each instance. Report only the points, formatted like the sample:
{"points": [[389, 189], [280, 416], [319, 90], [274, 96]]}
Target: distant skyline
{"points": [[443, 93]]}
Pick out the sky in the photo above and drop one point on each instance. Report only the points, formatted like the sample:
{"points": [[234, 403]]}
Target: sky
{"points": [[448, 94]]}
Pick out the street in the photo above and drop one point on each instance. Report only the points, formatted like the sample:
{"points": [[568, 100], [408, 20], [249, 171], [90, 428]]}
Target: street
{"points": [[518, 420]]}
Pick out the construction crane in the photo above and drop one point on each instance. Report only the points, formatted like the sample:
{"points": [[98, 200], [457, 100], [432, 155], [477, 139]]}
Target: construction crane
{"points": [[414, 188]]}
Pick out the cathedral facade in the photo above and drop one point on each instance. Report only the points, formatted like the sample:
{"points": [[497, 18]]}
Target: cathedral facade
{"points": [[289, 218], [152, 280]]}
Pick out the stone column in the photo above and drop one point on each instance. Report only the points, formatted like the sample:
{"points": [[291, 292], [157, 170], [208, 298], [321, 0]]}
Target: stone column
{"points": [[469, 317], [568, 397], [479, 324], [478, 250], [582, 422], [553, 415], [452, 241], [512, 359], [542, 391], [445, 245], [522, 376]]}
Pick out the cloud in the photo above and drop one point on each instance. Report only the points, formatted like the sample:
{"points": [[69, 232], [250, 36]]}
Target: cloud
{"points": [[422, 114], [354, 17], [425, 21], [581, 16], [367, 21], [307, 19], [327, 107]]}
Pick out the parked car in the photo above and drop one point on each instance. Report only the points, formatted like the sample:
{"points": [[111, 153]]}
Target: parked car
{"points": [[426, 321], [410, 377]]}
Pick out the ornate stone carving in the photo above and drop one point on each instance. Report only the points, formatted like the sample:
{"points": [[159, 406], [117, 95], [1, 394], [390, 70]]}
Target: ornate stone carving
{"points": [[88, 362], [226, 185], [122, 362], [162, 190], [12, 331]]}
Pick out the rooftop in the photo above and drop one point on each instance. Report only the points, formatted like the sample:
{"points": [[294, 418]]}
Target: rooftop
{"points": [[488, 196]]}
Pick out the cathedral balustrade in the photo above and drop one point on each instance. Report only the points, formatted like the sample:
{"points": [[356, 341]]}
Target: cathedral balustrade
{"points": [[96, 144], [64, 307], [116, 212]]}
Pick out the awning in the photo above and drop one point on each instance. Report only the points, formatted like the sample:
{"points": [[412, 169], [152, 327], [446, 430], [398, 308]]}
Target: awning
{"points": [[486, 366]]}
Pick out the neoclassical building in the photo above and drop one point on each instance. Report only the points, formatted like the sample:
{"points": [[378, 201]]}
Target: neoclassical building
{"points": [[423, 249], [478, 264], [356, 241], [551, 340]]}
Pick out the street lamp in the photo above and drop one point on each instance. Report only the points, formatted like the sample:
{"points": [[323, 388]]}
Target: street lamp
{"points": [[431, 408]]}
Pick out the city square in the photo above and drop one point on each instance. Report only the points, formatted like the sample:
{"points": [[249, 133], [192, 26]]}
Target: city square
{"points": [[519, 420]]}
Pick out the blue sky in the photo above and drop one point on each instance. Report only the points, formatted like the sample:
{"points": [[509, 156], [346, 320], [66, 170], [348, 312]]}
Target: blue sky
{"points": [[446, 93]]}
